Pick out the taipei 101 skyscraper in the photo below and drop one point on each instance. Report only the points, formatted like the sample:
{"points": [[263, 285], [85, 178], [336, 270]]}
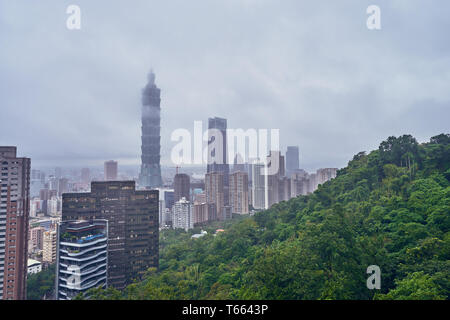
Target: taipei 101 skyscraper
{"points": [[150, 176]]}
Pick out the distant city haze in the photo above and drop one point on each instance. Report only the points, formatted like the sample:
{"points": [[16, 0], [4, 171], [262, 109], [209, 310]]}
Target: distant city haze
{"points": [[312, 70]]}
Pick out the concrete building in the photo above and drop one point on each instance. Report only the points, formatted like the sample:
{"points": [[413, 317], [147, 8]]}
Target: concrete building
{"points": [[36, 238], [132, 221], [111, 170], [259, 187], [217, 153], [182, 217], [181, 187], [49, 247], [150, 175], [292, 160], [82, 257], [33, 266], [200, 213], [14, 216], [214, 189], [299, 183], [239, 192]]}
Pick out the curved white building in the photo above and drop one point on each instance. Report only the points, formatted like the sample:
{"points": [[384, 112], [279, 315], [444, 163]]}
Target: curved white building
{"points": [[82, 259]]}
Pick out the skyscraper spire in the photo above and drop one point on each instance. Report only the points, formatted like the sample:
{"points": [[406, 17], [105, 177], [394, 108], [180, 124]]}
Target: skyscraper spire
{"points": [[150, 176]]}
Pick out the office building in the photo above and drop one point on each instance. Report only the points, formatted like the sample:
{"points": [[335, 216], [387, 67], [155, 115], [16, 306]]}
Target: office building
{"points": [[181, 186], [259, 186], [110, 170], [292, 160], [166, 197], [132, 221], [217, 153], [14, 215], [325, 174], [150, 175]]}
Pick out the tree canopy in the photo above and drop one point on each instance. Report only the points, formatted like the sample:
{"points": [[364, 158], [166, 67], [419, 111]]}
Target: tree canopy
{"points": [[388, 208]]}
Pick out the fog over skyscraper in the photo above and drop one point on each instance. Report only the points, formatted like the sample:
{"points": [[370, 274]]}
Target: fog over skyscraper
{"points": [[150, 175]]}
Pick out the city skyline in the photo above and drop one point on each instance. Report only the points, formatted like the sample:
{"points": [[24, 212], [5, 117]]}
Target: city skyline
{"points": [[350, 84]]}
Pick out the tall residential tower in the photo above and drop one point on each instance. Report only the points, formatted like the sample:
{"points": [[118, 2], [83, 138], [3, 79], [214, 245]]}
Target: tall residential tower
{"points": [[14, 214]]}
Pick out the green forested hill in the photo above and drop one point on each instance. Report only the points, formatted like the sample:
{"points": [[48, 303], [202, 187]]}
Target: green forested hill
{"points": [[389, 208]]}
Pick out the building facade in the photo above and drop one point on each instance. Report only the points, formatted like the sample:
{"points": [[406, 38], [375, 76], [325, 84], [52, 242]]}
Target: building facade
{"points": [[34, 266], [239, 192], [14, 216], [111, 170], [181, 186], [132, 221], [49, 247], [82, 257], [182, 217], [217, 153], [292, 160], [214, 189], [259, 186]]}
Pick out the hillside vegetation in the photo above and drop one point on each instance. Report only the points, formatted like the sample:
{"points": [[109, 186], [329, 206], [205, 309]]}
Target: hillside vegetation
{"points": [[389, 208]]}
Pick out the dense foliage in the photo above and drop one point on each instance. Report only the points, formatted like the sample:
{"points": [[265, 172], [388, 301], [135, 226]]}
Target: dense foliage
{"points": [[41, 284], [388, 208]]}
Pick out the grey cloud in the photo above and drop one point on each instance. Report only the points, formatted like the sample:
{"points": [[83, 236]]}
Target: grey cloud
{"points": [[311, 69]]}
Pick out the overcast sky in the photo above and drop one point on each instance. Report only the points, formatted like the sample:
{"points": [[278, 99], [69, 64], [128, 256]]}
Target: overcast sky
{"points": [[310, 68]]}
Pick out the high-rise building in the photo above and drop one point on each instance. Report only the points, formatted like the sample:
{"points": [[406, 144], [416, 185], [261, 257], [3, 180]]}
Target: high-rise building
{"points": [[169, 198], [150, 175], [217, 152], [36, 238], [85, 175], [49, 246], [284, 189], [292, 160], [165, 206], [239, 192], [45, 195], [200, 213], [14, 215], [276, 171], [299, 183], [214, 189], [82, 257], [182, 217], [181, 186], [37, 182], [63, 186], [132, 221], [111, 169], [259, 189]]}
